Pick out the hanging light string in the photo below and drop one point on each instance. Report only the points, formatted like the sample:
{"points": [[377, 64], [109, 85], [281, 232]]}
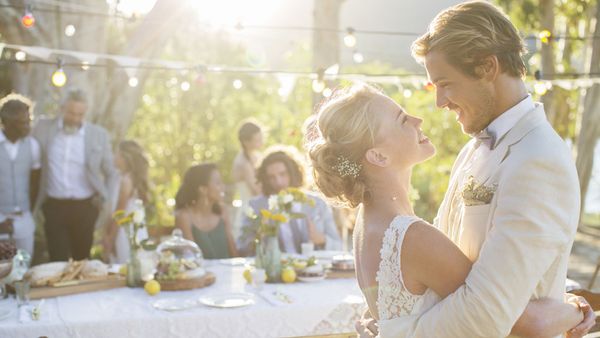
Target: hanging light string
{"points": [[543, 36]]}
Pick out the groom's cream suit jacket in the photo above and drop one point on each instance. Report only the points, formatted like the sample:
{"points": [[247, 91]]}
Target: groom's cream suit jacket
{"points": [[519, 242]]}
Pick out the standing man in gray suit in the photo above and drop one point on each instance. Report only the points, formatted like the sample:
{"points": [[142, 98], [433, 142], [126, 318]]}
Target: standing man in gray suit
{"points": [[279, 170], [78, 178]]}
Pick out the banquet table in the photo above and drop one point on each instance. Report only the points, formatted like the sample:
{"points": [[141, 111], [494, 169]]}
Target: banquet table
{"points": [[323, 307]]}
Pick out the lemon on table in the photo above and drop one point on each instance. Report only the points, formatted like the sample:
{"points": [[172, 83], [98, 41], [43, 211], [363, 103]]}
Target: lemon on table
{"points": [[248, 276], [152, 287], [299, 265], [288, 275], [123, 270]]}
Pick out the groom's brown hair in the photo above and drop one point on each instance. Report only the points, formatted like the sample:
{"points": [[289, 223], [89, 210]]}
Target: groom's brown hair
{"points": [[468, 33]]}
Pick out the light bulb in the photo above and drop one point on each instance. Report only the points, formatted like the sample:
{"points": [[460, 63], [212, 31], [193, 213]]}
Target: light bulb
{"points": [[27, 20], [237, 83], [20, 55], [70, 30], [133, 81], [59, 78], [318, 85], [327, 92], [350, 40], [358, 57], [407, 93], [185, 86], [540, 88]]}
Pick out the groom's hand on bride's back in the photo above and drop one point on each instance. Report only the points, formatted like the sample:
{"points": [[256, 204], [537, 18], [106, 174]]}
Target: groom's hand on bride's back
{"points": [[589, 317]]}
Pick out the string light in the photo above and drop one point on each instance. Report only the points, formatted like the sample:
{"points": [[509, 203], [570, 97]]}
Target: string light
{"points": [[350, 39], [540, 88], [85, 65], [318, 85], [237, 84], [28, 20], [358, 57], [20, 55], [327, 92], [59, 78], [407, 93], [185, 86], [70, 30], [133, 82]]}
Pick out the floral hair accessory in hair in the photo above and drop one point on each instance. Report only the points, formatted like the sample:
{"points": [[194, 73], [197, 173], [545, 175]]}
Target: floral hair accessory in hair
{"points": [[345, 167]]}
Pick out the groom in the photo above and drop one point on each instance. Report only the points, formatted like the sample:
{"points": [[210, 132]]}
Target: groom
{"points": [[512, 205]]}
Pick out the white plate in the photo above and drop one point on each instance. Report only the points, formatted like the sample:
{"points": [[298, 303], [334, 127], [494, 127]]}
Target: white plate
{"points": [[311, 279], [5, 313], [228, 300], [238, 261], [174, 304]]}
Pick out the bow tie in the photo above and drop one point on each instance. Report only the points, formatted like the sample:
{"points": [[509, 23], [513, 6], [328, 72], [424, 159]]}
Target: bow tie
{"points": [[486, 137]]}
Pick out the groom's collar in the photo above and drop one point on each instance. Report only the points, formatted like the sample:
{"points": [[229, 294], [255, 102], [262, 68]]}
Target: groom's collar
{"points": [[507, 120]]}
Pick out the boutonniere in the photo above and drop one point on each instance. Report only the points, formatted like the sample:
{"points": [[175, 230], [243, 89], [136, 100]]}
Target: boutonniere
{"points": [[474, 193]]}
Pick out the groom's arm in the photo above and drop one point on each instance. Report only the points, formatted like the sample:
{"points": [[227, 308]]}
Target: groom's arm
{"points": [[537, 200]]}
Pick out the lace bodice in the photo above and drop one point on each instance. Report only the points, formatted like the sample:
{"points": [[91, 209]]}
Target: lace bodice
{"points": [[393, 299]]}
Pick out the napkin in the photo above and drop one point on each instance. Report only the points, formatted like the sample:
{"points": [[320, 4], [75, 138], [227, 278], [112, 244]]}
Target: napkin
{"points": [[276, 298]]}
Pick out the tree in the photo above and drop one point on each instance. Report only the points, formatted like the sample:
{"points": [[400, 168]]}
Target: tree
{"points": [[112, 100], [590, 119]]}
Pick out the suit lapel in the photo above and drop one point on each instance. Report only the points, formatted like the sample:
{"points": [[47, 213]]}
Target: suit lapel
{"points": [[527, 123]]}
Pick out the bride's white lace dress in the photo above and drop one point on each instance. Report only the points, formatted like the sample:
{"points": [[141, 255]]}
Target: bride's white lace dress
{"points": [[393, 299]]}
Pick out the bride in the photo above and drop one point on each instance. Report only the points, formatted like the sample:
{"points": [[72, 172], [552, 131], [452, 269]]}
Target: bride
{"points": [[364, 155]]}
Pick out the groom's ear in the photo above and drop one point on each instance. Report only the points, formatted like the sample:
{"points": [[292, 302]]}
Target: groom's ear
{"points": [[376, 157], [489, 68]]}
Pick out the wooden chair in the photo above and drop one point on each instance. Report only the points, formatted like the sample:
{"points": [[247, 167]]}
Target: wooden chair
{"points": [[594, 275]]}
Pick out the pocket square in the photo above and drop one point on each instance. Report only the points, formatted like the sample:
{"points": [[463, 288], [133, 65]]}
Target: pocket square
{"points": [[474, 193]]}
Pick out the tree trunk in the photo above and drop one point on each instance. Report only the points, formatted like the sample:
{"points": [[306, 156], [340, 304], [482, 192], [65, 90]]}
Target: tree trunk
{"points": [[326, 45], [547, 54], [590, 121]]}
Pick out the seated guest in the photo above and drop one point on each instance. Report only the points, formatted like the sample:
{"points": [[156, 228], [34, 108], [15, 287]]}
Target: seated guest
{"points": [[280, 170], [20, 165], [199, 212], [131, 161]]}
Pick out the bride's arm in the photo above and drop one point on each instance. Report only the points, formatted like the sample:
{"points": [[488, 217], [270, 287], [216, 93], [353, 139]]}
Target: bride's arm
{"points": [[430, 259], [547, 318]]}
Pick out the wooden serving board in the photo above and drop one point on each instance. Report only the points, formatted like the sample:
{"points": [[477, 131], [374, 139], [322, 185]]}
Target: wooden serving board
{"points": [[188, 284], [77, 286], [334, 274]]}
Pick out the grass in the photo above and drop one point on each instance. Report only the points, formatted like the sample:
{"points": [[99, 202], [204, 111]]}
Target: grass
{"points": [[591, 219]]}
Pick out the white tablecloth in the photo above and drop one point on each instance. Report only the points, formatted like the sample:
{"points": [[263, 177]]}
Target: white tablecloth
{"points": [[329, 306]]}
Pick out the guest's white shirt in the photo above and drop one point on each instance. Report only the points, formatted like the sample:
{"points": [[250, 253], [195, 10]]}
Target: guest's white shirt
{"points": [[13, 148], [66, 163], [500, 126], [287, 238]]}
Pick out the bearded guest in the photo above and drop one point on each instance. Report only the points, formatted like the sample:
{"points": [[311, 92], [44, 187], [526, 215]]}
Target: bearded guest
{"points": [[78, 178]]}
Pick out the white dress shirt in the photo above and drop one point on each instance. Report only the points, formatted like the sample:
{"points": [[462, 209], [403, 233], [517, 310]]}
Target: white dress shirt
{"points": [[500, 126], [13, 148], [67, 177]]}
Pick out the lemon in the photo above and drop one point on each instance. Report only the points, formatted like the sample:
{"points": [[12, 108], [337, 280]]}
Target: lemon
{"points": [[123, 270], [299, 265], [288, 275], [248, 276], [152, 287]]}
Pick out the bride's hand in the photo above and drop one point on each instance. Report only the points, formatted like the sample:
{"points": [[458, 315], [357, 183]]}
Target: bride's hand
{"points": [[366, 326], [589, 318]]}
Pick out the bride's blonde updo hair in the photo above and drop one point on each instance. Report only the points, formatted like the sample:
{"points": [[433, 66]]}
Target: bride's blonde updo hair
{"points": [[346, 130]]}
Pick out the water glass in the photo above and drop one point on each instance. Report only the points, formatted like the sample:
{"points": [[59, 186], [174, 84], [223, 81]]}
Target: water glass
{"points": [[22, 291]]}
